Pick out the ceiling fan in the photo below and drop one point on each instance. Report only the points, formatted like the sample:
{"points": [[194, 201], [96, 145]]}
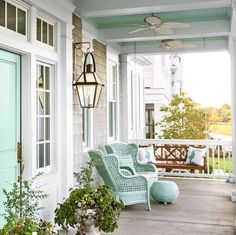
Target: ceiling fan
{"points": [[154, 22], [171, 44]]}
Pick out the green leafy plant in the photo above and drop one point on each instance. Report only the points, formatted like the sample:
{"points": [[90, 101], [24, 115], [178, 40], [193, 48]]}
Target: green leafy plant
{"points": [[88, 203], [22, 207], [84, 177]]}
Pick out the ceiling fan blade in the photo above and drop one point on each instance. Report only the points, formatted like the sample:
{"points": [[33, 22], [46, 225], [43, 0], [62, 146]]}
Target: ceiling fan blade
{"points": [[164, 30], [175, 43], [188, 46], [139, 29], [176, 25]]}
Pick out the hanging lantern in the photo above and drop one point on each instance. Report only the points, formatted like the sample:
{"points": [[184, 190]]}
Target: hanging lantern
{"points": [[89, 85]]}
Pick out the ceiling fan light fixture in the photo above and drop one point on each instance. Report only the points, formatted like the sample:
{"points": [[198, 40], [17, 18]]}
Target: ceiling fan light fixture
{"points": [[152, 20]]}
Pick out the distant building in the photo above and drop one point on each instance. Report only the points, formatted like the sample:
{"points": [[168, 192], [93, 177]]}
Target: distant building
{"points": [[162, 80]]}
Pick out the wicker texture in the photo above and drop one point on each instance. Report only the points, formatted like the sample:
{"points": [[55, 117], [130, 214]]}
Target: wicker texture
{"points": [[122, 150], [131, 189]]}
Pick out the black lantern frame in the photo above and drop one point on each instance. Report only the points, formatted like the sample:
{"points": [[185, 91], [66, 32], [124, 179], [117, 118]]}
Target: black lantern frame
{"points": [[88, 85]]}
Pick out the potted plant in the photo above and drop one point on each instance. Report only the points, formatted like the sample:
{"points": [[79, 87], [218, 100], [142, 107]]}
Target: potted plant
{"points": [[22, 206], [89, 209]]}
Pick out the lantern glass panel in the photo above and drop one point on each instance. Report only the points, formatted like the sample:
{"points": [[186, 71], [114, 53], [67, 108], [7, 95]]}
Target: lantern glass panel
{"points": [[98, 93], [90, 77]]}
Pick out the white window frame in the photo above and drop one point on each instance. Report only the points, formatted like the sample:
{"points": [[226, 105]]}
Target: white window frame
{"points": [[86, 125], [51, 167], [52, 22], [111, 99], [24, 7]]}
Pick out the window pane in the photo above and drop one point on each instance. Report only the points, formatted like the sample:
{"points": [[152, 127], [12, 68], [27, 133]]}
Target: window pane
{"points": [[40, 129], [47, 78], [21, 21], [40, 102], [111, 119], [2, 13], [39, 30], [45, 32], [114, 91], [50, 35], [114, 73], [47, 103], [83, 126], [40, 78], [47, 128], [47, 154], [11, 17], [41, 155]]}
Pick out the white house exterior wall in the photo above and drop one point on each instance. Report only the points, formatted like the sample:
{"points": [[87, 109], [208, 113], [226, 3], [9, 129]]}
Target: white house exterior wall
{"points": [[132, 112], [58, 181]]}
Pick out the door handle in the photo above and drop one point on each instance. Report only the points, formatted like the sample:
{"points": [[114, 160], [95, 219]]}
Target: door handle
{"points": [[20, 161]]}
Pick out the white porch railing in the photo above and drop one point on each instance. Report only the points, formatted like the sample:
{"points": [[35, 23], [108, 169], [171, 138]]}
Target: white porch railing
{"points": [[219, 157]]}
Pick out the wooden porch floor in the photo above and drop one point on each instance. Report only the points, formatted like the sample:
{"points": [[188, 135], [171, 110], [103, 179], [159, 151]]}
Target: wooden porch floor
{"points": [[203, 207]]}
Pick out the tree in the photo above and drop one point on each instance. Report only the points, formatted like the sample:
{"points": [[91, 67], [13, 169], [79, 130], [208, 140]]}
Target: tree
{"points": [[225, 113], [183, 119]]}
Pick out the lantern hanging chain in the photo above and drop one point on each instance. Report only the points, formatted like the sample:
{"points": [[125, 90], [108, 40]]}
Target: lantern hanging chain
{"points": [[78, 46]]}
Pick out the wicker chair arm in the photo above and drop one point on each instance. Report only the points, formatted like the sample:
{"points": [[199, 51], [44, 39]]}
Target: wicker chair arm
{"points": [[125, 172], [145, 167]]}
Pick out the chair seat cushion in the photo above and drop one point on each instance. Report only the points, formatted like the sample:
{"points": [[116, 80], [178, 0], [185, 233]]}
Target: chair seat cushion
{"points": [[148, 175]]}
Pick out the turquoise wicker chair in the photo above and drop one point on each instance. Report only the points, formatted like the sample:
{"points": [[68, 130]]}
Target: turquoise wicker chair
{"points": [[130, 189], [127, 155]]}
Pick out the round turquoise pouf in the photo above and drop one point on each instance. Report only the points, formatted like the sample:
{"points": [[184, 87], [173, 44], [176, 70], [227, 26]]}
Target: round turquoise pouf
{"points": [[164, 191]]}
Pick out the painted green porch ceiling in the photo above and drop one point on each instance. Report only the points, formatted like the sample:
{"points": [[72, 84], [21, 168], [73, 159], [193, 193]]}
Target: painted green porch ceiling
{"points": [[180, 16], [184, 40], [102, 8], [114, 19], [154, 47]]}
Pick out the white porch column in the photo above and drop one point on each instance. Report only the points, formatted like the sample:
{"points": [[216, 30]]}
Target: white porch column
{"points": [[232, 51], [125, 100], [65, 110]]}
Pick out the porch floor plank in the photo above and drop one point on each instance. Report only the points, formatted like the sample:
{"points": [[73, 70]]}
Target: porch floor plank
{"points": [[203, 207]]}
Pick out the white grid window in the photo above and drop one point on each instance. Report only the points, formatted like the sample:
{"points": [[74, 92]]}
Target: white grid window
{"points": [[45, 31], [112, 100], [13, 16], [43, 116]]}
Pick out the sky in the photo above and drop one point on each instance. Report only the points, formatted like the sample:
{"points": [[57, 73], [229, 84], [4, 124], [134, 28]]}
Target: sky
{"points": [[207, 77]]}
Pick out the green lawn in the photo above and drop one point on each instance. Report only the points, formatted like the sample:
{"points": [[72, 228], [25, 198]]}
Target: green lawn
{"points": [[222, 129], [228, 165]]}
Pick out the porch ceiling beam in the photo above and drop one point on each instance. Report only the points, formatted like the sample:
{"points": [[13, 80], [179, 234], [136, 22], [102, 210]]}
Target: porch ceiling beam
{"points": [[197, 29], [101, 8], [202, 46]]}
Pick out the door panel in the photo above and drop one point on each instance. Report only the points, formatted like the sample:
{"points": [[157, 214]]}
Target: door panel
{"points": [[9, 120]]}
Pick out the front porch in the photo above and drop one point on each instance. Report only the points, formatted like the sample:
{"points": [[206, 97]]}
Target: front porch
{"points": [[203, 207]]}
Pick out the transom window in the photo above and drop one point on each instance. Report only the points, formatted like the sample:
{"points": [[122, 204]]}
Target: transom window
{"points": [[43, 115], [45, 31], [13, 16]]}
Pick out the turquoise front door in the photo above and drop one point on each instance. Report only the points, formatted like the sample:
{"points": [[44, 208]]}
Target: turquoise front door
{"points": [[9, 120]]}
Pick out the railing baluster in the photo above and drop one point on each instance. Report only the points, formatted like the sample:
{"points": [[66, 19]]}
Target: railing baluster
{"points": [[224, 150], [218, 158], [229, 157], [208, 160], [213, 161]]}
